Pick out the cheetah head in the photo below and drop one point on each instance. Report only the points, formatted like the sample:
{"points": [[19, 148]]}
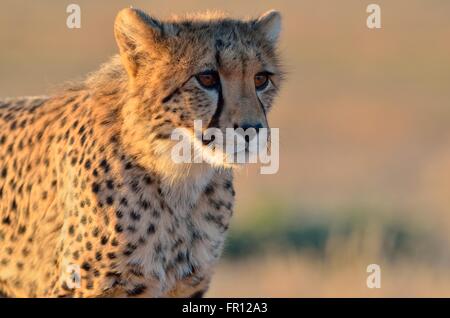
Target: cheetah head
{"points": [[204, 67]]}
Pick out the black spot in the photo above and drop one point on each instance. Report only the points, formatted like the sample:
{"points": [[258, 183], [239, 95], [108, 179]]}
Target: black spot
{"points": [[127, 252], [209, 190], [22, 229], [25, 252], [144, 204], [110, 200], [135, 186], [65, 287], [156, 214], [4, 172], [118, 228], [136, 272], [151, 229], [111, 255], [95, 187], [86, 266], [135, 216], [119, 214], [110, 184], [81, 130], [124, 202], [112, 274], [104, 240], [148, 180], [105, 165], [90, 284], [198, 294], [137, 290], [6, 220]]}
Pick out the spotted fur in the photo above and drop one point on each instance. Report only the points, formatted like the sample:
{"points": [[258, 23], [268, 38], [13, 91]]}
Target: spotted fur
{"points": [[86, 180]]}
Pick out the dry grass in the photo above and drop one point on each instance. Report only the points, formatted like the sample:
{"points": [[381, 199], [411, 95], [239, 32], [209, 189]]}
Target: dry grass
{"points": [[303, 276]]}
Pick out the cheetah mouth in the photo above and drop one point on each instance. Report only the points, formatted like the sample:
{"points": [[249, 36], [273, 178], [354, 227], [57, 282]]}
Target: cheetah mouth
{"points": [[208, 142], [239, 153], [218, 148], [240, 145]]}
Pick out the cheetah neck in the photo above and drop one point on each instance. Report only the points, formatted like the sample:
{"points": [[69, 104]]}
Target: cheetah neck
{"points": [[183, 183], [183, 193]]}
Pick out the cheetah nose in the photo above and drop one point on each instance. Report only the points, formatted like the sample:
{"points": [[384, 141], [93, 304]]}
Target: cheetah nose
{"points": [[256, 126]]}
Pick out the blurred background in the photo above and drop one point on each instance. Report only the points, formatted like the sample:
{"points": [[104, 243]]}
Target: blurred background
{"points": [[364, 120]]}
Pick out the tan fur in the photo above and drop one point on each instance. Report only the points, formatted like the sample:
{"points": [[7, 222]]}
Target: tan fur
{"points": [[86, 177]]}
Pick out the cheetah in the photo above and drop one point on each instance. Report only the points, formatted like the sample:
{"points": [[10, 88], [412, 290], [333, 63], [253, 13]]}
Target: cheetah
{"points": [[91, 204]]}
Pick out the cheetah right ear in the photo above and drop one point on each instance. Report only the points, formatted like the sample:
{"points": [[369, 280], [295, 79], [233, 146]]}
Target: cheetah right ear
{"points": [[138, 36], [270, 25]]}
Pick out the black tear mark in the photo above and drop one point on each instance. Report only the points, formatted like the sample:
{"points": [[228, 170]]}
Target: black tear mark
{"points": [[214, 123], [262, 107]]}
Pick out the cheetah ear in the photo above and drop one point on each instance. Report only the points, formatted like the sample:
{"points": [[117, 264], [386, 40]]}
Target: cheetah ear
{"points": [[138, 36], [270, 25]]}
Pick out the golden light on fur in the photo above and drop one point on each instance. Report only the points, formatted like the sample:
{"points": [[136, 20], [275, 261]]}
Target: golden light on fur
{"points": [[86, 177]]}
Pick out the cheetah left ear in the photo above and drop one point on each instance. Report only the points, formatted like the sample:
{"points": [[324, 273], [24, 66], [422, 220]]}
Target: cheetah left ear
{"points": [[139, 38], [270, 25]]}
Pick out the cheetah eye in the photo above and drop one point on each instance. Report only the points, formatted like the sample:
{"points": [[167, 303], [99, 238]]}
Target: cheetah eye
{"points": [[261, 80], [208, 79]]}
